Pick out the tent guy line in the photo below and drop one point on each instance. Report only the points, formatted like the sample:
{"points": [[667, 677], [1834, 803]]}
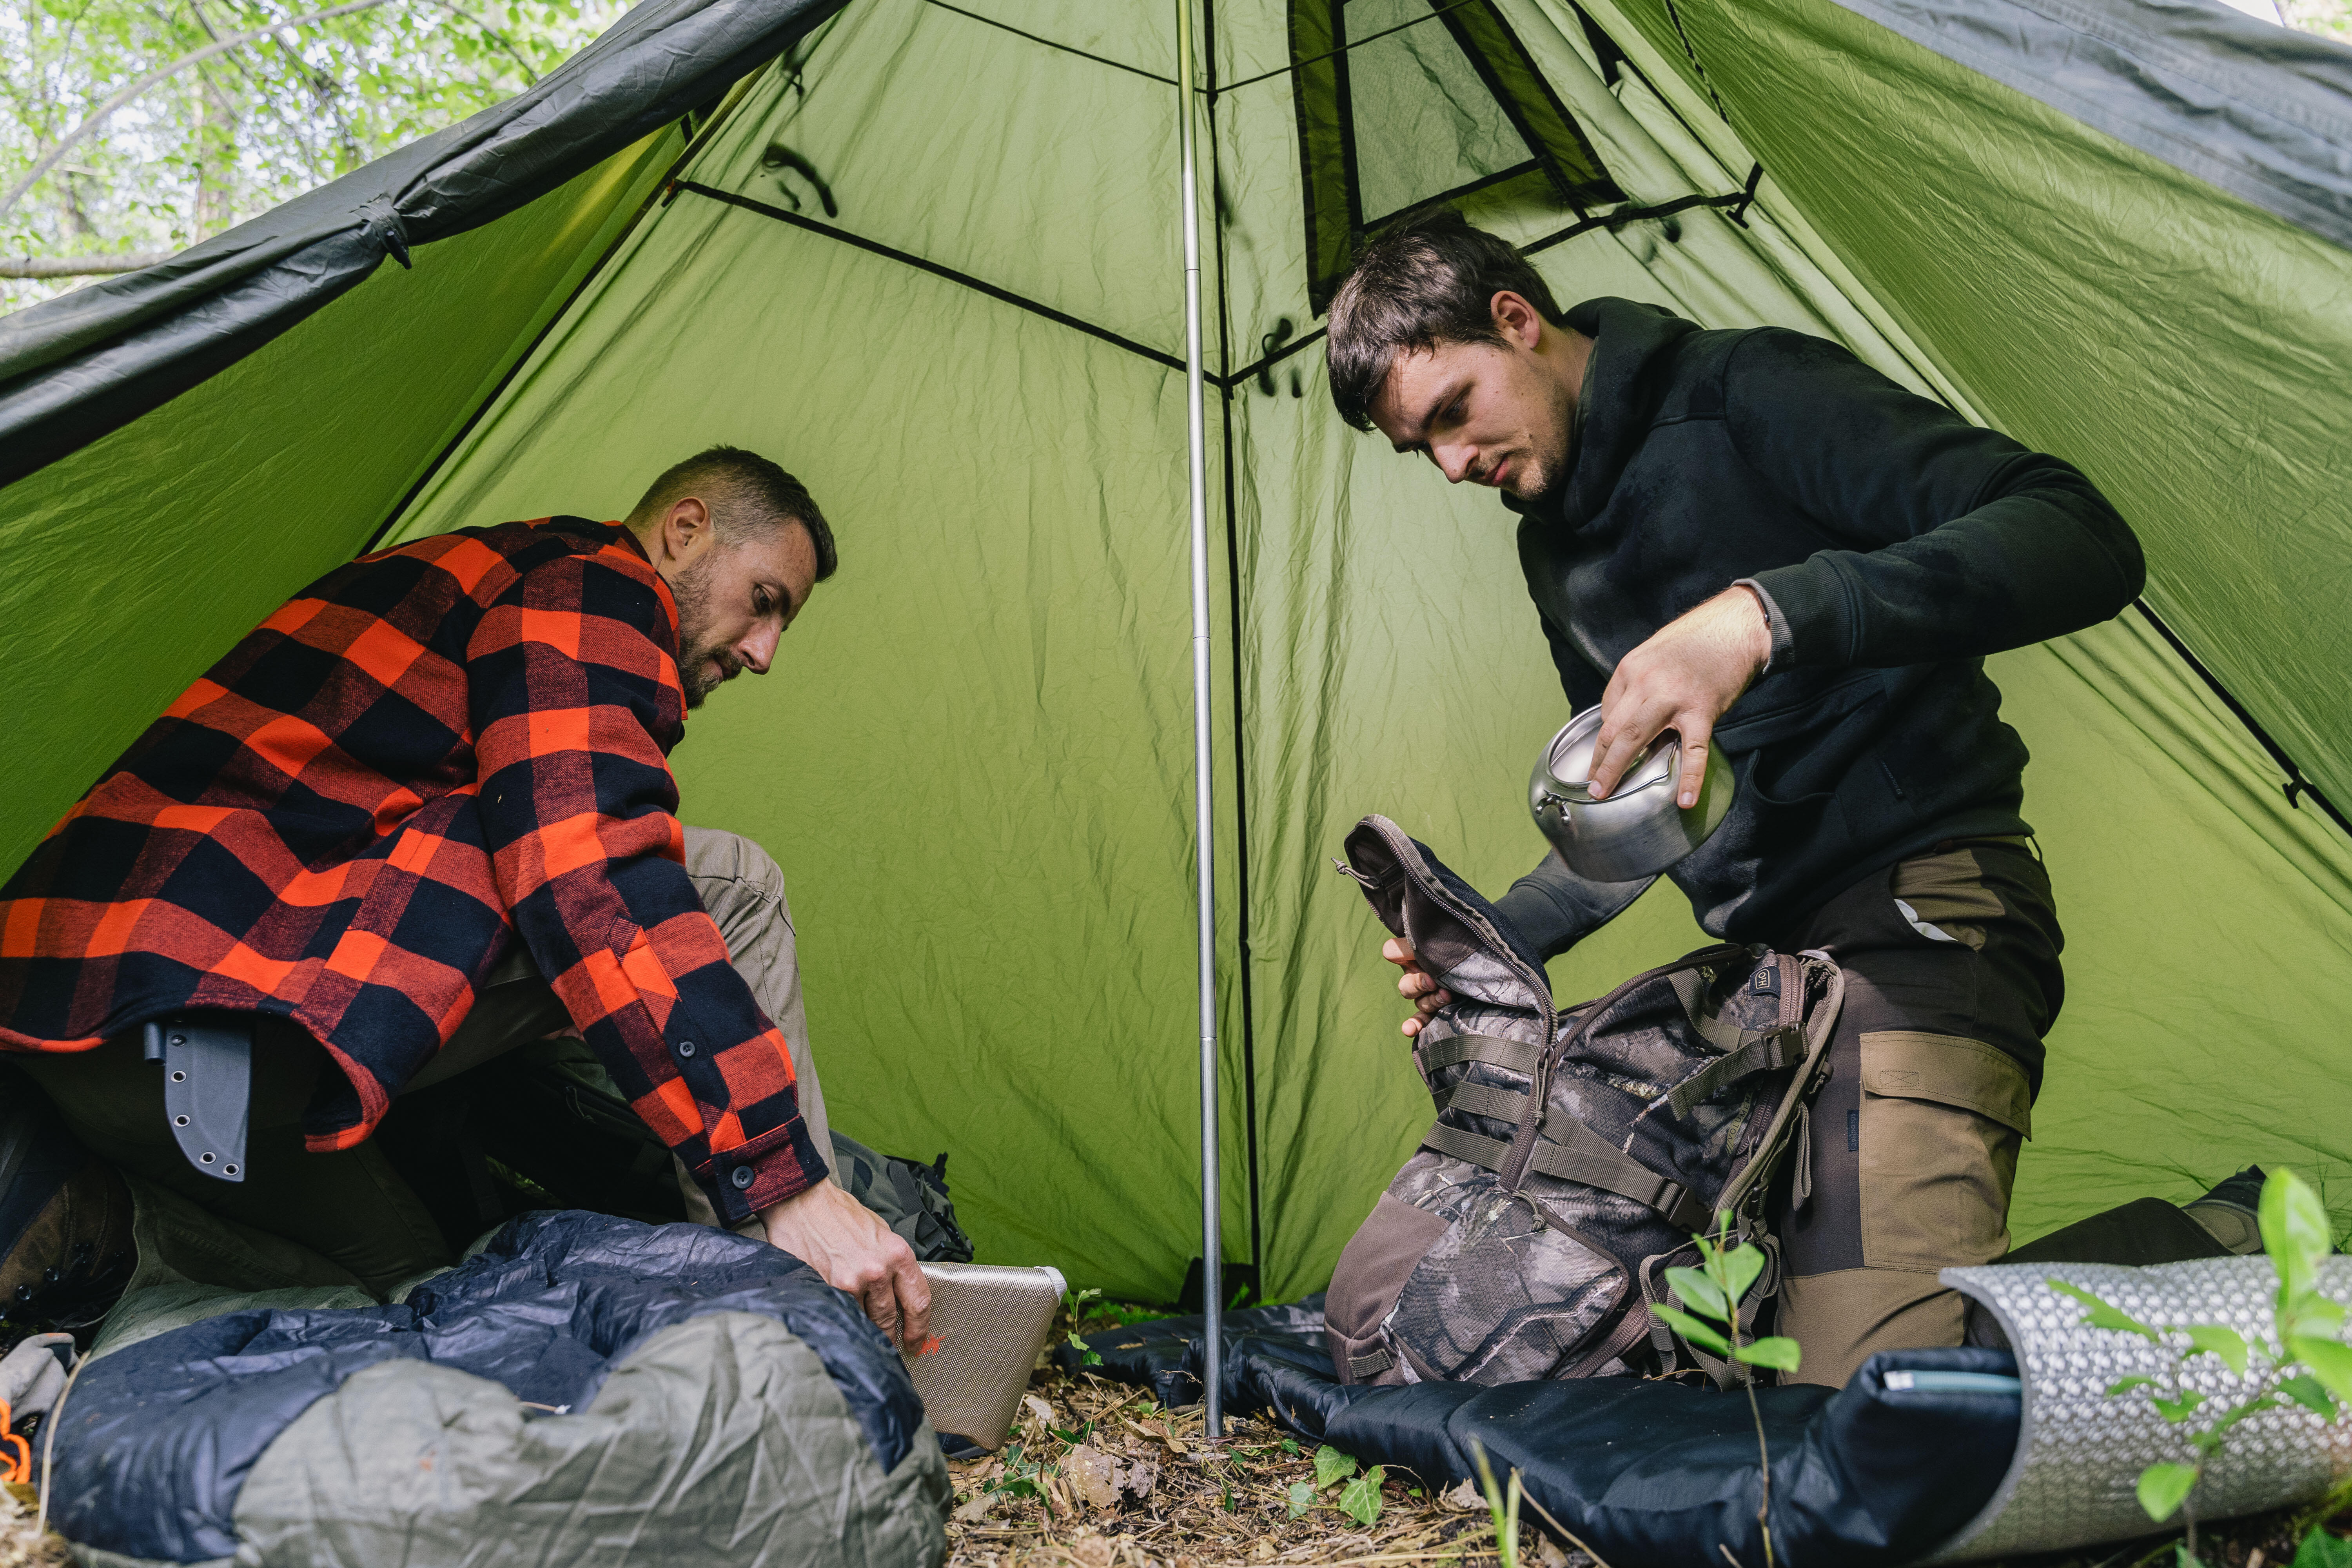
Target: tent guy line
{"points": [[1035, 307], [1735, 202], [1214, 87], [1053, 44], [2296, 785]]}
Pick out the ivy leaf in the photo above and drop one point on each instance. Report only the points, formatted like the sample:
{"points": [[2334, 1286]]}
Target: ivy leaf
{"points": [[2176, 1410], [1779, 1354], [2125, 1384], [2212, 1338], [2321, 1550], [1739, 1269], [1330, 1465], [1360, 1499], [2164, 1487], [2103, 1316], [2311, 1394], [2329, 1360], [2295, 1234], [1700, 1293], [1691, 1328], [1302, 1497]]}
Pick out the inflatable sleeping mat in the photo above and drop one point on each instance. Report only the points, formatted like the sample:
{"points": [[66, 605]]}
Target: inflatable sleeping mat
{"points": [[582, 1390]]}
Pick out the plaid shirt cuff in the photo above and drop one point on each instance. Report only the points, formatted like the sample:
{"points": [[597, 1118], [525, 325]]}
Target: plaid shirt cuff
{"points": [[781, 1163]]}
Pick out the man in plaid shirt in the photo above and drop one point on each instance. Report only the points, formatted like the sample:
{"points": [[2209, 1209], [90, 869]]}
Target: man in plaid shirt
{"points": [[441, 768]]}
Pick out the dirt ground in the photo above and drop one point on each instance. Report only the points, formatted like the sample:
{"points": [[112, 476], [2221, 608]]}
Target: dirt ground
{"points": [[1098, 1476]]}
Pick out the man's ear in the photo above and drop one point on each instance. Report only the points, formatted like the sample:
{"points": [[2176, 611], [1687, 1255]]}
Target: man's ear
{"points": [[1518, 321], [686, 530]]}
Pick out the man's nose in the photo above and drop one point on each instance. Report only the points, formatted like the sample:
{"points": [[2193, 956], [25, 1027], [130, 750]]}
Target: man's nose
{"points": [[1455, 462], [759, 649]]}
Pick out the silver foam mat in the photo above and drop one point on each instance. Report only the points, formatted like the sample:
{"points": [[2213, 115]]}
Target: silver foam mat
{"points": [[2080, 1453]]}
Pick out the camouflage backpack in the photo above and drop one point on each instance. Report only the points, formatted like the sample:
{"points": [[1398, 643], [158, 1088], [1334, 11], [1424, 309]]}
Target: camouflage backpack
{"points": [[1574, 1152]]}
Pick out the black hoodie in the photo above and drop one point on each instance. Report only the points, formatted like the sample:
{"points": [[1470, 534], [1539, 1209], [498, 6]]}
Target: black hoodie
{"points": [[1895, 545]]}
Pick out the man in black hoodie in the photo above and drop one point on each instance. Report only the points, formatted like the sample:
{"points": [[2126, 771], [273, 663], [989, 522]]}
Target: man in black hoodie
{"points": [[1755, 541]]}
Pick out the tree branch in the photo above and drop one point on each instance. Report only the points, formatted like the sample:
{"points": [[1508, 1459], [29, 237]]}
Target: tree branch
{"points": [[98, 116], [81, 265]]}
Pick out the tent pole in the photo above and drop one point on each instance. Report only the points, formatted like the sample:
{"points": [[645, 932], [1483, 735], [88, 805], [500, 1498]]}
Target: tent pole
{"points": [[1211, 1243]]}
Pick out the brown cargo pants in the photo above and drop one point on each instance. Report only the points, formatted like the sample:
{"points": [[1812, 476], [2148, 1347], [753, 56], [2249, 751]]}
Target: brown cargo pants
{"points": [[349, 1206], [1951, 981]]}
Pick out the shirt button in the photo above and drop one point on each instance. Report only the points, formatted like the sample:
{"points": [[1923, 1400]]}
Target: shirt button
{"points": [[743, 1176], [685, 1048]]}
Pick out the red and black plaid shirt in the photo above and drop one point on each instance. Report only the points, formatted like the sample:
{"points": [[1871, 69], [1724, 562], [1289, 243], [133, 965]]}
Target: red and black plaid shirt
{"points": [[426, 754]]}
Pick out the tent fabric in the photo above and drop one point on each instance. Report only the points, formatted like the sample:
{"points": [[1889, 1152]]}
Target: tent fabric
{"points": [[574, 1367], [2249, 108], [76, 367], [1636, 1470], [931, 263]]}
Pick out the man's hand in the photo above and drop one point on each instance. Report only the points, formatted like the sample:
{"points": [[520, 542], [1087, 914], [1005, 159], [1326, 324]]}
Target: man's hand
{"points": [[1417, 986], [847, 1243], [1691, 670]]}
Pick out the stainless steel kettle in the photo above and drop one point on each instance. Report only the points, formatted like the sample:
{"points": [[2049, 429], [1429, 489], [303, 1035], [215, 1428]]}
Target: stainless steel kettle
{"points": [[1637, 830]]}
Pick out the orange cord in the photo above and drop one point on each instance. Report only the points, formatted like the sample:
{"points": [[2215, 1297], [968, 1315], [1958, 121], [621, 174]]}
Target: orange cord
{"points": [[19, 1468]]}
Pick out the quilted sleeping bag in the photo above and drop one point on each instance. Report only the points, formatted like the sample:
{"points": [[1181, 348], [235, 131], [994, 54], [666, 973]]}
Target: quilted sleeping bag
{"points": [[583, 1390]]}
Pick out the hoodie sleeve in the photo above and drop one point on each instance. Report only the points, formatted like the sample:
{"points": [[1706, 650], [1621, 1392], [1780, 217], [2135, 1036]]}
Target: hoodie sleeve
{"points": [[1554, 909], [1952, 540]]}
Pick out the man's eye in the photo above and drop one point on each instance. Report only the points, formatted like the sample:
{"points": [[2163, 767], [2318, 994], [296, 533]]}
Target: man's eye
{"points": [[760, 601]]}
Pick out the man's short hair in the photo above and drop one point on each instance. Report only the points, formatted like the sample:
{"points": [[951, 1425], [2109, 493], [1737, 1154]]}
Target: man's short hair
{"points": [[744, 488], [1429, 280]]}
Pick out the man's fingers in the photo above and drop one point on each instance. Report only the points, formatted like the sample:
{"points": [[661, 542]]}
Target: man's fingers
{"points": [[1396, 950], [914, 1300], [1617, 747], [1695, 733], [881, 1305]]}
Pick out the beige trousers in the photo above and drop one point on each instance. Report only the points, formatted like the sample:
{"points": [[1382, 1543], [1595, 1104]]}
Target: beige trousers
{"points": [[350, 1206]]}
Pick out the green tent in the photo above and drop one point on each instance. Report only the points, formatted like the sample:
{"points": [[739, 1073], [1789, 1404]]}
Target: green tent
{"points": [[929, 257]]}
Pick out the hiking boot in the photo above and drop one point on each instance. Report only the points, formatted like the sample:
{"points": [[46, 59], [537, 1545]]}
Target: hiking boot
{"points": [[2229, 1212], [66, 1251]]}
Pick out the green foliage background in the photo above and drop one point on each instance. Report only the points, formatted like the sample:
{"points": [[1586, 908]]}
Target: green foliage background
{"points": [[235, 135]]}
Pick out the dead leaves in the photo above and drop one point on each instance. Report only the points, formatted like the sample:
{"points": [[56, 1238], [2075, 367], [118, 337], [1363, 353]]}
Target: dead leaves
{"points": [[1099, 1475], [21, 1544]]}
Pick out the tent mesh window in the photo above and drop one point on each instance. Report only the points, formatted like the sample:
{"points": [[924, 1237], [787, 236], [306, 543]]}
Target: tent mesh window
{"points": [[1405, 104]]}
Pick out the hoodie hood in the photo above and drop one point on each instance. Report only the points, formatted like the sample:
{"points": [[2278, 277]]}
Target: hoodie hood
{"points": [[1624, 381]]}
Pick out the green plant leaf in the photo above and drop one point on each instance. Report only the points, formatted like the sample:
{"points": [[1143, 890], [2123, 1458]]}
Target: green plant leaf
{"points": [[2164, 1487], [2212, 1338], [1779, 1354], [2330, 1361], [2311, 1314], [2321, 1550], [1360, 1499], [2176, 1410], [1330, 1465], [1302, 1497], [2125, 1384], [2311, 1394], [2251, 1408], [1691, 1328], [1699, 1293], [2295, 1234], [1737, 1270], [2103, 1316]]}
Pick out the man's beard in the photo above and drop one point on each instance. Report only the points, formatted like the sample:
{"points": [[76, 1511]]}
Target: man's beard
{"points": [[691, 590], [1544, 472]]}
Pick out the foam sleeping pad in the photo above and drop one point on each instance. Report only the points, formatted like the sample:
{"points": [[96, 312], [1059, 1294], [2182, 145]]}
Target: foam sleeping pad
{"points": [[1643, 1472], [577, 1370]]}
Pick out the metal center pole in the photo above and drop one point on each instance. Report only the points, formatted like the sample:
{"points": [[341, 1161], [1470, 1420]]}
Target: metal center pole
{"points": [[1212, 1245]]}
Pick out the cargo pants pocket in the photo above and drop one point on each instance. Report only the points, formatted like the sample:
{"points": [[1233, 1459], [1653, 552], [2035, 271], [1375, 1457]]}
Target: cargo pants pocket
{"points": [[1941, 1122]]}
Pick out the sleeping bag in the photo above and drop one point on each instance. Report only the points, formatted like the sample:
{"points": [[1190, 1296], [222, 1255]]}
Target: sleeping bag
{"points": [[583, 1389]]}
